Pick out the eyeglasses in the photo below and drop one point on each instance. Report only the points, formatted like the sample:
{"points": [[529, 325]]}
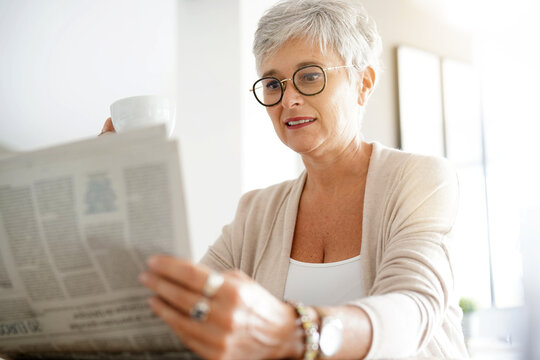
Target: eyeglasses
{"points": [[309, 80]]}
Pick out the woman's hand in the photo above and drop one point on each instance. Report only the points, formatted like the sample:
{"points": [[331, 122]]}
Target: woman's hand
{"points": [[244, 321], [107, 127]]}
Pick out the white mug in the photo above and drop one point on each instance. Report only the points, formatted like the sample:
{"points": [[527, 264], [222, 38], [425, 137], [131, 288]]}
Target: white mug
{"points": [[139, 111]]}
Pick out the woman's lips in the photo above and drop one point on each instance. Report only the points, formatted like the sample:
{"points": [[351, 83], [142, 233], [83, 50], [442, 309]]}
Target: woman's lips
{"points": [[298, 122]]}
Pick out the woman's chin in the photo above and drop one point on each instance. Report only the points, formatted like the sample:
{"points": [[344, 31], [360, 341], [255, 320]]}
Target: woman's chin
{"points": [[303, 148], [303, 144]]}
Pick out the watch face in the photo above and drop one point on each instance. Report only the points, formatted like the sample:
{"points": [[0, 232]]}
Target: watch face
{"points": [[331, 335]]}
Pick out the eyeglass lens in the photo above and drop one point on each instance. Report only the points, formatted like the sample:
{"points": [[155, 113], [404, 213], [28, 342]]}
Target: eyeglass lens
{"points": [[308, 80]]}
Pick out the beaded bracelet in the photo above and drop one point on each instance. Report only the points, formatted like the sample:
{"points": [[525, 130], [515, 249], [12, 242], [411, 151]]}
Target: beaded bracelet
{"points": [[311, 331]]}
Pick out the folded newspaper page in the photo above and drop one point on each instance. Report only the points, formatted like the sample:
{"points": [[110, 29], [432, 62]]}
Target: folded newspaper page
{"points": [[77, 223]]}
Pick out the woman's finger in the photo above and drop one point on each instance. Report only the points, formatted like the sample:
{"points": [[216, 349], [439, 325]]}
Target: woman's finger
{"points": [[108, 126], [176, 295], [182, 272], [184, 299], [202, 338]]}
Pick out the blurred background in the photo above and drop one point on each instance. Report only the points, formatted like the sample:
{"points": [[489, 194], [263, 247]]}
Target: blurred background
{"points": [[460, 80]]}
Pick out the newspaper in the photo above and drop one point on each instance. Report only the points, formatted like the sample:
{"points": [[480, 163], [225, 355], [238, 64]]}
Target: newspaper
{"points": [[77, 223]]}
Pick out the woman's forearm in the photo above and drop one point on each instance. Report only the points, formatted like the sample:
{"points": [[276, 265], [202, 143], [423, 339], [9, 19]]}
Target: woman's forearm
{"points": [[357, 332]]}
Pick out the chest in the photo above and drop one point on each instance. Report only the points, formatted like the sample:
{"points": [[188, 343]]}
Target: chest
{"points": [[328, 231]]}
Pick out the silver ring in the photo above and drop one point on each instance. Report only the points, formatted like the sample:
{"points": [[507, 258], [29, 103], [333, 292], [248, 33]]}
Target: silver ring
{"points": [[213, 283], [199, 311]]}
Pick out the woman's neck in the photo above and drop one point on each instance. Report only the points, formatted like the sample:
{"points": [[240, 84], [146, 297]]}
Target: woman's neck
{"points": [[339, 170]]}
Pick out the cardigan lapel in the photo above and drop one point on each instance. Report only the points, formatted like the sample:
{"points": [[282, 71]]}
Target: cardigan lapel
{"points": [[275, 261]]}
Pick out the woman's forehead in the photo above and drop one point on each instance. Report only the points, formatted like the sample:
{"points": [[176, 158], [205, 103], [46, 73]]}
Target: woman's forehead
{"points": [[295, 53]]}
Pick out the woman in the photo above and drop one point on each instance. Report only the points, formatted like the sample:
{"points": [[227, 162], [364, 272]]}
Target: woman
{"points": [[362, 233]]}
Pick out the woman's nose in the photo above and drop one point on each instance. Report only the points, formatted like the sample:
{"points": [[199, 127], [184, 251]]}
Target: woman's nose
{"points": [[291, 96]]}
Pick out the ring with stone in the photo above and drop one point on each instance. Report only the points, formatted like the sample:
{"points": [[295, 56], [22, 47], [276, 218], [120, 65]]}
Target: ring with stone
{"points": [[213, 283], [199, 311]]}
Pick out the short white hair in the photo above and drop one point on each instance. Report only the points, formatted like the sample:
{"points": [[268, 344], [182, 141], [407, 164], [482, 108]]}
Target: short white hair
{"points": [[341, 25]]}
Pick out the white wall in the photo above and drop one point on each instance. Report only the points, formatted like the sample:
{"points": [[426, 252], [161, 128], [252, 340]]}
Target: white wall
{"points": [[63, 62], [210, 113], [417, 23]]}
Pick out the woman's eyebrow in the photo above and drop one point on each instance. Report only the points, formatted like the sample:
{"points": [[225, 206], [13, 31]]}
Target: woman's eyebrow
{"points": [[311, 62], [273, 72]]}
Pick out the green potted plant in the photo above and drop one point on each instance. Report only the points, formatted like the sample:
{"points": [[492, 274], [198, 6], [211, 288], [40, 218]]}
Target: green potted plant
{"points": [[470, 322]]}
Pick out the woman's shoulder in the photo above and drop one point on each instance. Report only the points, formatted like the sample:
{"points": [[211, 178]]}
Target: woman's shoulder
{"points": [[403, 164], [269, 198], [409, 183]]}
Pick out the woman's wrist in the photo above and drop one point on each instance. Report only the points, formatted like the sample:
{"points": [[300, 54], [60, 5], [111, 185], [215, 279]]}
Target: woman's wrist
{"points": [[290, 338], [307, 325], [291, 334]]}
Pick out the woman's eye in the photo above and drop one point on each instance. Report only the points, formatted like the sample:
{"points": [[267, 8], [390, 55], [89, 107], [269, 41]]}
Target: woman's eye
{"points": [[272, 85], [311, 77]]}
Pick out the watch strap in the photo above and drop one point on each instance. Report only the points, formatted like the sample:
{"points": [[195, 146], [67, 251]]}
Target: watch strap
{"points": [[326, 319]]}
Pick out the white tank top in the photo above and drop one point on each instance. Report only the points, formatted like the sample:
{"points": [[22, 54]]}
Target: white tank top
{"points": [[321, 284]]}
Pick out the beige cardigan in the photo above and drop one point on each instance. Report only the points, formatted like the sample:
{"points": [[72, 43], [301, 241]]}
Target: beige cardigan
{"points": [[409, 209]]}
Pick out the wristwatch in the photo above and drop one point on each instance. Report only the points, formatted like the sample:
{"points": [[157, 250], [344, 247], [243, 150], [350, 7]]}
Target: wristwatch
{"points": [[331, 334]]}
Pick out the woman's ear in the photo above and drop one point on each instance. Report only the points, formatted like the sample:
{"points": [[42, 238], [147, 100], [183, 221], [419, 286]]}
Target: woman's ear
{"points": [[366, 85]]}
